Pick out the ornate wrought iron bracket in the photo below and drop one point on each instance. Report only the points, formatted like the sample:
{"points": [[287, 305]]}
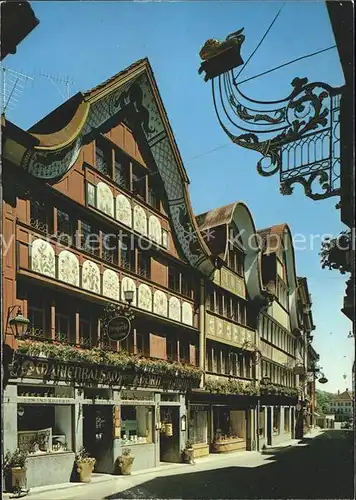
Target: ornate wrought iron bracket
{"points": [[297, 136]]}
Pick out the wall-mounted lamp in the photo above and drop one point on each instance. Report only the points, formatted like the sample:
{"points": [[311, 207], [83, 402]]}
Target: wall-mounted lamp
{"points": [[19, 324], [129, 295]]}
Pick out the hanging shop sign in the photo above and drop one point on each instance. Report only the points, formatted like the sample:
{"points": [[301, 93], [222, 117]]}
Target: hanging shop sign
{"points": [[119, 328]]}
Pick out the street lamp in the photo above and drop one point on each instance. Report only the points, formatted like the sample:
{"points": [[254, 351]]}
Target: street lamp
{"points": [[18, 323]]}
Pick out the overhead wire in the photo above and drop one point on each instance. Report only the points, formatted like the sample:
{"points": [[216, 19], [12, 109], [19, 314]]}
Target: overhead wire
{"points": [[261, 41], [286, 64]]}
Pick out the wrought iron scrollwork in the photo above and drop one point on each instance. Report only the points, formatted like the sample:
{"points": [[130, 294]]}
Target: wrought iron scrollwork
{"points": [[297, 136]]}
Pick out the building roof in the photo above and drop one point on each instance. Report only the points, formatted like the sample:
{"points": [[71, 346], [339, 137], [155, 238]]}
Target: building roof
{"points": [[216, 217], [271, 238], [344, 396]]}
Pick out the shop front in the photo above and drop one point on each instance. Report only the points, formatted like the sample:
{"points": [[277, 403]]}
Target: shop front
{"points": [[221, 423], [276, 421], [53, 408]]}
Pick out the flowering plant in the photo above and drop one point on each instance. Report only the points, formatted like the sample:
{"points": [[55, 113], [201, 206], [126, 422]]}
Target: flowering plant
{"points": [[121, 359], [231, 386], [83, 456]]}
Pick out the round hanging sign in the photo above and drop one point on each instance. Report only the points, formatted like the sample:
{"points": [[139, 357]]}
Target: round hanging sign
{"points": [[119, 328], [322, 380]]}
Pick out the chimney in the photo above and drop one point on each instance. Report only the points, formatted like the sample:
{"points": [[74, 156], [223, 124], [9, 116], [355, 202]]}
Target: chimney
{"points": [[338, 392]]}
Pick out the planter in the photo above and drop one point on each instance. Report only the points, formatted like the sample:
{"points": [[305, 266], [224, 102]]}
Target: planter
{"points": [[18, 478], [224, 446], [125, 465], [85, 470]]}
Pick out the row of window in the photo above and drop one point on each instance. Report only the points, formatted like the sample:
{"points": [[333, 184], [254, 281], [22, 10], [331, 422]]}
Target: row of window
{"points": [[276, 335], [228, 305], [277, 374], [120, 250], [346, 403], [39, 314], [228, 362], [114, 163]]}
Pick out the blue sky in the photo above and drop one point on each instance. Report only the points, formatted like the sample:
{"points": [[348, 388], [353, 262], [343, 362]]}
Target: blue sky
{"points": [[88, 42]]}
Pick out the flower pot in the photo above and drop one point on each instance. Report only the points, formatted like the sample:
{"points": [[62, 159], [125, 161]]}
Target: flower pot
{"points": [[18, 478], [125, 465], [85, 470], [189, 455]]}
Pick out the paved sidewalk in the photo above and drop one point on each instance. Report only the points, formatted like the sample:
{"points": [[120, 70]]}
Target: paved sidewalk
{"points": [[249, 459]]}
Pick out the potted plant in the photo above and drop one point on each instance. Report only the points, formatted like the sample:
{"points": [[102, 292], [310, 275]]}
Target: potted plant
{"points": [[85, 465], [15, 470], [189, 452], [125, 461]]}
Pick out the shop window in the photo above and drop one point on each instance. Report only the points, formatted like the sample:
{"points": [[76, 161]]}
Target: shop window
{"points": [[139, 181], [286, 420], [261, 425], [136, 424], [276, 420], [90, 238], [44, 428], [109, 247], [238, 424], [122, 170], [41, 216], [173, 279], [103, 158], [144, 264], [66, 227], [198, 426]]}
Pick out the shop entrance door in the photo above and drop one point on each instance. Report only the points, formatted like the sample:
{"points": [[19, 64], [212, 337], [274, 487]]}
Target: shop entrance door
{"points": [[98, 435], [169, 435], [269, 425]]}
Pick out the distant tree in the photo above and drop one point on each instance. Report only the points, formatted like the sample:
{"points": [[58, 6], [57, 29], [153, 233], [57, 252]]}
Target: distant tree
{"points": [[323, 400]]}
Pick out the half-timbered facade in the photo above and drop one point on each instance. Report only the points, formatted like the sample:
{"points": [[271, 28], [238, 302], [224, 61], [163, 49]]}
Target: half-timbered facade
{"points": [[96, 210], [96, 205]]}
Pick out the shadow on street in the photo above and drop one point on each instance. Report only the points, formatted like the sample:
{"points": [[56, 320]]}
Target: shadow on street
{"points": [[321, 469]]}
